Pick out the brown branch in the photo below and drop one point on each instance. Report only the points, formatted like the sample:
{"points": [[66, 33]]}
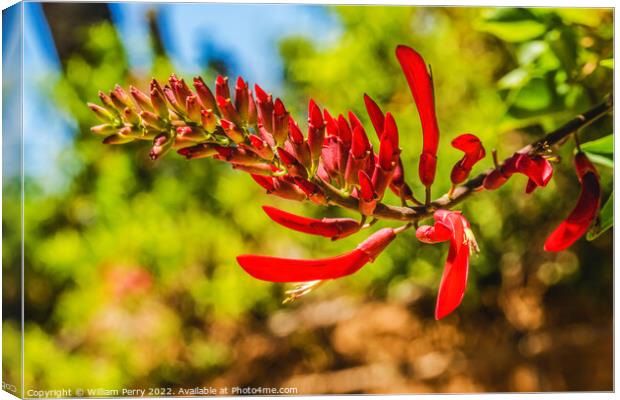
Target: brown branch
{"points": [[412, 214]]}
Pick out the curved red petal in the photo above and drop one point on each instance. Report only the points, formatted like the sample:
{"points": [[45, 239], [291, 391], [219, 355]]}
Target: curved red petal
{"points": [[421, 86], [580, 218], [467, 143], [334, 228], [275, 269], [377, 242], [376, 115], [390, 130], [453, 281]]}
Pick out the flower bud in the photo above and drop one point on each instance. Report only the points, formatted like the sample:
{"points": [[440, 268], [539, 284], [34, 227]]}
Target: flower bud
{"points": [[208, 120], [242, 99], [265, 108], [151, 120], [142, 100], [103, 129], [292, 165], [193, 108], [202, 150], [314, 193], [221, 87], [102, 114], [279, 122], [204, 94], [161, 144], [261, 147], [232, 131], [159, 103], [227, 110]]}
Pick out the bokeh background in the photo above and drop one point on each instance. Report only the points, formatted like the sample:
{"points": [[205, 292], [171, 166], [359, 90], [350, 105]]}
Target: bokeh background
{"points": [[131, 279]]}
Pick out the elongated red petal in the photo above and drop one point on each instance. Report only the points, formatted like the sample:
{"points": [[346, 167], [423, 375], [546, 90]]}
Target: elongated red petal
{"points": [[376, 115], [360, 144], [450, 225], [334, 228], [421, 86], [390, 131], [276, 269], [584, 212], [453, 282]]}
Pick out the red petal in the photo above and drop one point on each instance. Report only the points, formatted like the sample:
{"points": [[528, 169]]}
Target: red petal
{"points": [[315, 118], [453, 281], [580, 218], [355, 122], [294, 132], [291, 270], [366, 188], [274, 269], [386, 153], [264, 181], [421, 86], [467, 143], [360, 144], [334, 228], [376, 115], [537, 168], [390, 131], [344, 130]]}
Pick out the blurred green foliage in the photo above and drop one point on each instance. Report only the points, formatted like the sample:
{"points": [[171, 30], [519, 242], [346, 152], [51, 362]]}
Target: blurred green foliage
{"points": [[130, 267]]}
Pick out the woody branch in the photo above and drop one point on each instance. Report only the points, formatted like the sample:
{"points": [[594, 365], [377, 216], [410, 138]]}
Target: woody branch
{"points": [[413, 214]]}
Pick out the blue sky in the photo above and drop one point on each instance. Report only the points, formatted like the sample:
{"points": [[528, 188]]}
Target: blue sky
{"points": [[246, 35]]}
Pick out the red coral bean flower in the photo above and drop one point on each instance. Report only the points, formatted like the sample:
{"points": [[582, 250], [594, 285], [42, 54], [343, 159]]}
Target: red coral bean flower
{"points": [[275, 269], [474, 152], [421, 85], [537, 168], [333, 228], [585, 211], [452, 226]]}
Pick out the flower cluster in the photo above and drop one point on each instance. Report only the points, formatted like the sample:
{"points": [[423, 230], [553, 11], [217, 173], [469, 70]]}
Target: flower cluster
{"points": [[333, 163]]}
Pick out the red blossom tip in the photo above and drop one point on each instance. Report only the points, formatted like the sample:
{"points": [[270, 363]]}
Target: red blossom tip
{"points": [[315, 118], [354, 121], [450, 225], [360, 146], [584, 212], [390, 131], [261, 95], [376, 115], [294, 132], [420, 83], [333, 228], [276, 269]]}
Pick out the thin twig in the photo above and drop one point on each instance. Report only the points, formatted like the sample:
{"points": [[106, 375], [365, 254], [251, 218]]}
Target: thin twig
{"points": [[416, 213]]}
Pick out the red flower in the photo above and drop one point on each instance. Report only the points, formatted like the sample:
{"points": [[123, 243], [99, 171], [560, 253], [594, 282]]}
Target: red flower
{"points": [[376, 115], [580, 218], [333, 228], [474, 152], [537, 168], [421, 85], [276, 269], [450, 225]]}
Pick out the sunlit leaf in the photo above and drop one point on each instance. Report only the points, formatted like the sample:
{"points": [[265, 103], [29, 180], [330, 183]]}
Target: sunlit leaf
{"points": [[604, 221], [605, 161], [604, 145]]}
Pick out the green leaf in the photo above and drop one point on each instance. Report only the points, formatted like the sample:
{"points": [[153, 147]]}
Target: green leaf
{"points": [[604, 221], [516, 31], [512, 24], [514, 79], [535, 95], [607, 63], [600, 160], [604, 145]]}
